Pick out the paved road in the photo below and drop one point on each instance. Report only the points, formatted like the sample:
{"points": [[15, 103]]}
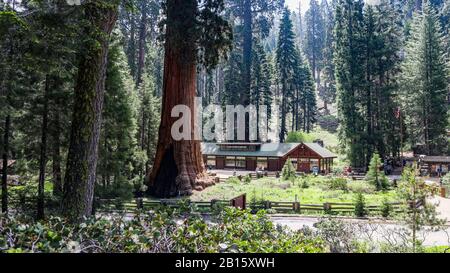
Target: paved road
{"points": [[369, 229]]}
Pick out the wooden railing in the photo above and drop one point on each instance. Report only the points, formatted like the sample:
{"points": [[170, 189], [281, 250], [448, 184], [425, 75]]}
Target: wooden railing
{"points": [[328, 208], [118, 205], [207, 206]]}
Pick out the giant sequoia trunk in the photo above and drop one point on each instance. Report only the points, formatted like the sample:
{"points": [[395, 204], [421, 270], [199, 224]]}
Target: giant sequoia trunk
{"points": [[178, 168], [89, 95]]}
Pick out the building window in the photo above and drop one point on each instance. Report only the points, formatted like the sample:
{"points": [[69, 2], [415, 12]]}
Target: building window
{"points": [[294, 162], [303, 160], [211, 161], [262, 163], [314, 163], [230, 162], [240, 162]]}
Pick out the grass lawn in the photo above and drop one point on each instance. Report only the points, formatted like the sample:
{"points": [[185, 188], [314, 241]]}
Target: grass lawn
{"points": [[319, 191]]}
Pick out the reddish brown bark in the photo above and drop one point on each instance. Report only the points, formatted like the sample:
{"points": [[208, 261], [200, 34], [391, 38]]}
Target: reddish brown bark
{"points": [[178, 168]]}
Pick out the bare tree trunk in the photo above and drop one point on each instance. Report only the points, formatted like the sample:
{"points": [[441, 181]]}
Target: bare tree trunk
{"points": [[5, 164], [86, 121], [56, 156], [43, 156], [142, 40], [178, 168]]}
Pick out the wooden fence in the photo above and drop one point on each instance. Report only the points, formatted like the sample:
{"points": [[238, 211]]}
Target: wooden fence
{"points": [[118, 205], [207, 206]]}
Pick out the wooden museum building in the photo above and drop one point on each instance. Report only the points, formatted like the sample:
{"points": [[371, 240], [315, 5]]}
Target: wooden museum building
{"points": [[268, 156]]}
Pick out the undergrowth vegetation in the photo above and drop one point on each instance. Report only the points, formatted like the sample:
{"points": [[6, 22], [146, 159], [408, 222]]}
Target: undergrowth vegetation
{"points": [[163, 230]]}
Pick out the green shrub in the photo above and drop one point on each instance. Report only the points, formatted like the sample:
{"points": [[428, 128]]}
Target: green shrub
{"points": [[288, 172], [247, 179], [375, 176], [446, 179], [337, 184], [120, 189], [304, 183], [361, 186], [162, 231], [233, 180], [360, 205], [386, 208], [297, 137]]}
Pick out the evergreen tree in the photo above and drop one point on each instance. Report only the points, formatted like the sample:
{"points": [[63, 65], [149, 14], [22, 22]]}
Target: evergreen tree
{"points": [[255, 20], [288, 172], [366, 61], [375, 176], [425, 82], [327, 90], [117, 145], [261, 82], [287, 62], [360, 205], [350, 78], [315, 38]]}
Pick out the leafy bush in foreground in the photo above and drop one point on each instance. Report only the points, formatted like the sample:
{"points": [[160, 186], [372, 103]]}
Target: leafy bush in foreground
{"points": [[165, 230], [337, 183]]}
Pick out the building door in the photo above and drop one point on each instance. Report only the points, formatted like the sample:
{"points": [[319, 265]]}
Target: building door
{"points": [[304, 165]]}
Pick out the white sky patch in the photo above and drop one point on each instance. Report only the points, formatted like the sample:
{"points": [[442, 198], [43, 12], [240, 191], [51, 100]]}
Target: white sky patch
{"points": [[293, 5]]}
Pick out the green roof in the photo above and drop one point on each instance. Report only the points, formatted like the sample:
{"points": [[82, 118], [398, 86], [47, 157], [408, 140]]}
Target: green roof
{"points": [[323, 152], [266, 150]]}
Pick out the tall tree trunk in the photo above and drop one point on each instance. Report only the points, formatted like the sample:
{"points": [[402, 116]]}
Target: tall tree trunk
{"points": [[86, 121], [131, 49], [247, 59], [283, 114], [178, 168], [43, 155], [5, 164], [142, 40], [56, 155]]}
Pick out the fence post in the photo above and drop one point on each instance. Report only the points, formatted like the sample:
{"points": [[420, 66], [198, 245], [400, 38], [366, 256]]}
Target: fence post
{"points": [[140, 203], [443, 192], [327, 207], [296, 206], [267, 205], [212, 203]]}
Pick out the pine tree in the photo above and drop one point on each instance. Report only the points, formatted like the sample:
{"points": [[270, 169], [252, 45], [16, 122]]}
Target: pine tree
{"points": [[424, 83], [255, 18], [117, 144], [366, 61], [261, 93], [350, 78], [360, 205], [375, 176], [327, 90], [14, 32], [315, 38], [288, 172], [287, 62]]}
